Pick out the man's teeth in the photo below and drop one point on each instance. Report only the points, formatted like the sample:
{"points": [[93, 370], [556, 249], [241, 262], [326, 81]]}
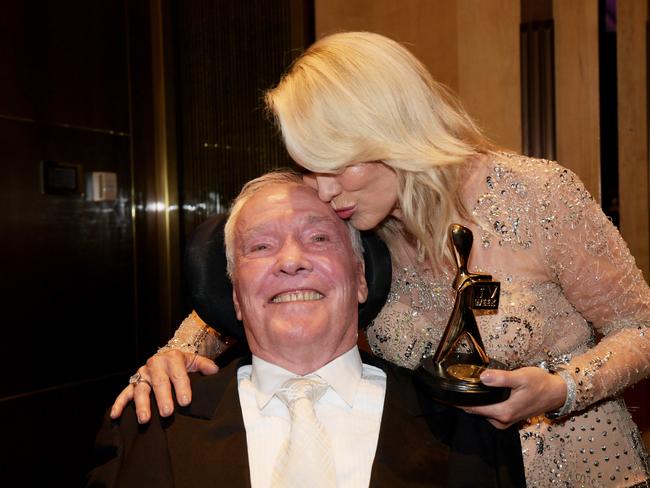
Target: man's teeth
{"points": [[297, 296]]}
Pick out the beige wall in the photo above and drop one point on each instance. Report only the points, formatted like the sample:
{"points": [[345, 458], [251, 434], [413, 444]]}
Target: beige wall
{"points": [[427, 27], [489, 72], [576, 82]]}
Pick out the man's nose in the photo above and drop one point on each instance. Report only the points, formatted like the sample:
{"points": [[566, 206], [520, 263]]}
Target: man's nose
{"points": [[292, 258], [328, 187]]}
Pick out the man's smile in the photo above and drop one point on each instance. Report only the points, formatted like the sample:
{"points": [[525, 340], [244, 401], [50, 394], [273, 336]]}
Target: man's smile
{"points": [[297, 296]]}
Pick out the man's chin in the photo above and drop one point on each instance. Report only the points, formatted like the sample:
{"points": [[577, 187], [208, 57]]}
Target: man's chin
{"points": [[303, 314], [299, 328]]}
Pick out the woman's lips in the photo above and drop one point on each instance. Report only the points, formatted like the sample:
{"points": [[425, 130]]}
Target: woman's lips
{"points": [[345, 213]]}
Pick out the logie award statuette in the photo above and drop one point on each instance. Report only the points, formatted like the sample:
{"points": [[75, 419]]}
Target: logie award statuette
{"points": [[453, 373]]}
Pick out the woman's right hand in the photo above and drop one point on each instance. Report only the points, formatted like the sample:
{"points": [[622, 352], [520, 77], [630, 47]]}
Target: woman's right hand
{"points": [[161, 371]]}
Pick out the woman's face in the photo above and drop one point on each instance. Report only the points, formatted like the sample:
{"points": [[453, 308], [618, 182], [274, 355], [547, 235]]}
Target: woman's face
{"points": [[364, 193]]}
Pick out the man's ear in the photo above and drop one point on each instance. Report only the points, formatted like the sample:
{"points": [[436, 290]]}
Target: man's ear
{"points": [[362, 290], [235, 301]]}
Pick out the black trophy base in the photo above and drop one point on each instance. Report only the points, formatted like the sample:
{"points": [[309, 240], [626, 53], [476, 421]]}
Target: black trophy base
{"points": [[450, 389]]}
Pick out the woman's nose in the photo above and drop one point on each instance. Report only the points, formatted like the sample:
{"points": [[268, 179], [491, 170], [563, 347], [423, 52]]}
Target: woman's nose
{"points": [[328, 187]]}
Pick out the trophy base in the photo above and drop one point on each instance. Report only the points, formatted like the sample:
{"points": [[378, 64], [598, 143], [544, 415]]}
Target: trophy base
{"points": [[446, 383]]}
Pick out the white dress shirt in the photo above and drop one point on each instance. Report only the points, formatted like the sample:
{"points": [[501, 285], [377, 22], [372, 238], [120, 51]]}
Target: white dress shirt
{"points": [[350, 412]]}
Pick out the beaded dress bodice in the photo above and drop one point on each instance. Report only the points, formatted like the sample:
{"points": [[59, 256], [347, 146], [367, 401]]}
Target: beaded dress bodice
{"points": [[566, 277]]}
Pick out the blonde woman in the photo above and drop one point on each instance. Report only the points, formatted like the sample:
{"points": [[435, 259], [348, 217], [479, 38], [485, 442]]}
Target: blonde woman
{"points": [[392, 150]]}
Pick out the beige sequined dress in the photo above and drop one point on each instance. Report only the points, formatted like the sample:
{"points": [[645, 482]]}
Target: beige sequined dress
{"points": [[567, 278]]}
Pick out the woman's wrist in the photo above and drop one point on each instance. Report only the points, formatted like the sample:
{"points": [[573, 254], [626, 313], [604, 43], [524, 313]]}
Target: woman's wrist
{"points": [[213, 344], [196, 337], [189, 336], [569, 401]]}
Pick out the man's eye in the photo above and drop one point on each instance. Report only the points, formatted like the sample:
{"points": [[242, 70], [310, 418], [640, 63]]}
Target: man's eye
{"points": [[259, 247], [320, 238]]}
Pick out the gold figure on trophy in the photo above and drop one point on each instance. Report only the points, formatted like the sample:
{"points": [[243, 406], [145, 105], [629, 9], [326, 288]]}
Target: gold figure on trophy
{"points": [[453, 373]]}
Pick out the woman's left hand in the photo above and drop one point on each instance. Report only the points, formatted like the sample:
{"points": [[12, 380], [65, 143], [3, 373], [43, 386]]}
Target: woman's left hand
{"points": [[533, 391]]}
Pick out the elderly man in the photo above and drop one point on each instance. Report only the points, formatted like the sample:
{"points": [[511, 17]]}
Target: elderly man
{"points": [[305, 411]]}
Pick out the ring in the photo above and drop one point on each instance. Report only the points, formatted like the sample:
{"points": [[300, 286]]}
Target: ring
{"points": [[137, 378]]}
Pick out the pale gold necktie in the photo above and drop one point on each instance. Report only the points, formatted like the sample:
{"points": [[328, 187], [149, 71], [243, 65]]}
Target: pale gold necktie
{"points": [[306, 459]]}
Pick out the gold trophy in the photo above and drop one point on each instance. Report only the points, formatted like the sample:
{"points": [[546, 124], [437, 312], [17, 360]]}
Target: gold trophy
{"points": [[453, 373]]}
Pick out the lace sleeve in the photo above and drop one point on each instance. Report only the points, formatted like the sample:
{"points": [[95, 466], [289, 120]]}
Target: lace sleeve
{"points": [[598, 275], [195, 336]]}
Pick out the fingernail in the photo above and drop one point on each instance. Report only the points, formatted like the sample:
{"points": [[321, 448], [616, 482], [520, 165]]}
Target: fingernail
{"points": [[486, 377], [167, 410], [185, 400], [142, 417], [113, 413]]}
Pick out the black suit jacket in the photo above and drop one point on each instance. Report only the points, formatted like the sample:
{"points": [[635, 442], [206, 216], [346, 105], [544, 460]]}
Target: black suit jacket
{"points": [[421, 442]]}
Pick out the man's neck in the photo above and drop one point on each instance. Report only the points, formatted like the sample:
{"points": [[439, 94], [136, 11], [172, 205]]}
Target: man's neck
{"points": [[302, 362], [343, 374]]}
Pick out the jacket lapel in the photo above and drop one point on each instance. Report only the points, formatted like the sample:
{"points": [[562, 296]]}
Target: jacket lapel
{"points": [[208, 439], [408, 454]]}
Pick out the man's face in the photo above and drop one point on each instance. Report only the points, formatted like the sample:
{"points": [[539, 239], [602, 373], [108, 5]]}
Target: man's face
{"points": [[297, 282]]}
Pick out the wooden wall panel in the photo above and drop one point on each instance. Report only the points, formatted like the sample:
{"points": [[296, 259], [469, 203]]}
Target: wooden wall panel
{"points": [[64, 63], [427, 27], [489, 67], [68, 289], [633, 129], [66, 261], [19, 83], [634, 197], [577, 95]]}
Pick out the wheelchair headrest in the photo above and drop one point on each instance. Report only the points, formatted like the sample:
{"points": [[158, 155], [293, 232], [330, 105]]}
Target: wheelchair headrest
{"points": [[210, 289]]}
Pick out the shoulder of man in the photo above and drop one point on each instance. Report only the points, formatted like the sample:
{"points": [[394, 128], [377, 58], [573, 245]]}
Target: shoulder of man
{"points": [[405, 390], [209, 391]]}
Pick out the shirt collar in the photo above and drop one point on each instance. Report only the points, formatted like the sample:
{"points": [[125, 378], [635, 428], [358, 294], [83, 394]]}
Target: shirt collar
{"points": [[343, 374]]}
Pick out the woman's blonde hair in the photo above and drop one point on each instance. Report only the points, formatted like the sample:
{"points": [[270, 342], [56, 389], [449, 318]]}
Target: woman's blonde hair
{"points": [[358, 97]]}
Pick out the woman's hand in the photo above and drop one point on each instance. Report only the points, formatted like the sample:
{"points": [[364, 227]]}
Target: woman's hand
{"points": [[533, 391], [162, 370]]}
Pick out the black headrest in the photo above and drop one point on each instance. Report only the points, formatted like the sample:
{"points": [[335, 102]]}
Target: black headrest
{"points": [[210, 289]]}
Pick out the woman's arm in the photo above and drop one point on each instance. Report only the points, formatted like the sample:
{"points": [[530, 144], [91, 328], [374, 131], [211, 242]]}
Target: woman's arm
{"points": [[600, 278], [189, 350], [598, 275]]}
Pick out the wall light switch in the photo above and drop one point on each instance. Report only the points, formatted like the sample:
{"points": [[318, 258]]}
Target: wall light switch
{"points": [[104, 186], [59, 178]]}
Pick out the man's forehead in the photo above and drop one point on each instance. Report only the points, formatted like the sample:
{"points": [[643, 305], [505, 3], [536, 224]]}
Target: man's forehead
{"points": [[288, 196], [280, 201], [250, 229]]}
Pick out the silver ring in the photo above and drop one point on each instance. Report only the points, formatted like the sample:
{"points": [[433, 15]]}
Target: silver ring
{"points": [[137, 378]]}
